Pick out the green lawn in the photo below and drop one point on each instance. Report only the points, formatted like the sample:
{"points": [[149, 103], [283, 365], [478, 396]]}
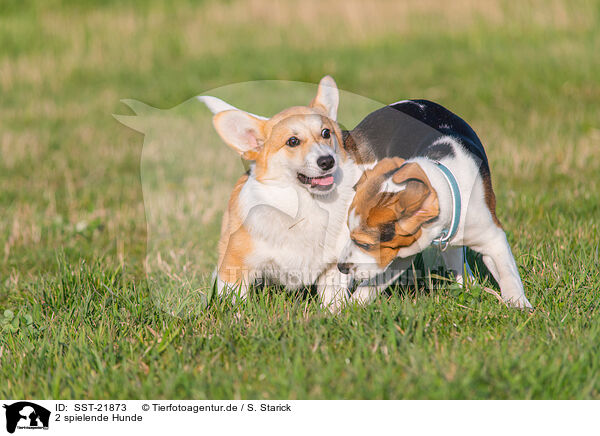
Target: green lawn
{"points": [[79, 317]]}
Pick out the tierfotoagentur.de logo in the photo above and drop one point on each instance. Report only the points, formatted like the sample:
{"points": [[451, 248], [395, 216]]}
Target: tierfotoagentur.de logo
{"points": [[25, 415]]}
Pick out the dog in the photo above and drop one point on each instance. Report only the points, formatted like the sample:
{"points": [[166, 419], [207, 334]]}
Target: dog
{"points": [[286, 218], [435, 189]]}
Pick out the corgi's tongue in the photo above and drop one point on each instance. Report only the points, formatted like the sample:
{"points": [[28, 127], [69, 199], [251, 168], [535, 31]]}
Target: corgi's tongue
{"points": [[322, 181]]}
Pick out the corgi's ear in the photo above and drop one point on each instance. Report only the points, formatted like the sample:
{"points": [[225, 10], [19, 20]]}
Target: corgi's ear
{"points": [[328, 97], [216, 105], [241, 131]]}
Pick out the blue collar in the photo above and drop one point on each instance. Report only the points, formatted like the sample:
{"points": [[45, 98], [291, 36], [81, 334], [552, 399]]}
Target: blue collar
{"points": [[447, 234]]}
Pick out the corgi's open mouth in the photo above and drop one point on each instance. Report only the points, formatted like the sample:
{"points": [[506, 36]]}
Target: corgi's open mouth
{"points": [[321, 183]]}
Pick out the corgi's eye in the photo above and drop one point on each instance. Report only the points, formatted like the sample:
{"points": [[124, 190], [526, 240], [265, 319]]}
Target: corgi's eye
{"points": [[325, 133], [293, 142]]}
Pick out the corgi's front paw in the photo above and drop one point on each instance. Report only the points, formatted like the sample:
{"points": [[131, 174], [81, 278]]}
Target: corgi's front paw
{"points": [[364, 295], [236, 291], [334, 299]]}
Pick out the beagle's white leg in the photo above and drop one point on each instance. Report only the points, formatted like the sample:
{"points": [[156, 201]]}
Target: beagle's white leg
{"points": [[433, 261], [455, 262], [489, 263], [332, 288], [498, 257]]}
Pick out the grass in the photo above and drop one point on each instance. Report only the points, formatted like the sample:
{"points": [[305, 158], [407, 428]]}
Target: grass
{"points": [[79, 312]]}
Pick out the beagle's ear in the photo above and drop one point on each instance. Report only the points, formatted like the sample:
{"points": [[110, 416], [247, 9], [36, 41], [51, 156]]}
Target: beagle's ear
{"points": [[388, 166], [384, 166], [417, 202], [241, 131], [411, 170], [328, 97]]}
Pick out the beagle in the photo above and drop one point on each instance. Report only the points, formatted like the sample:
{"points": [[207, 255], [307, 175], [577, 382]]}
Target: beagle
{"points": [[436, 190]]}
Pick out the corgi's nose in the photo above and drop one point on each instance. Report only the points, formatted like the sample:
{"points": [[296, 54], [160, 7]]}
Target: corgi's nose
{"points": [[344, 268], [326, 162]]}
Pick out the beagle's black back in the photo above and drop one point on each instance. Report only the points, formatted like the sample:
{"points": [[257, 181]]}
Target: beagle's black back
{"points": [[409, 129]]}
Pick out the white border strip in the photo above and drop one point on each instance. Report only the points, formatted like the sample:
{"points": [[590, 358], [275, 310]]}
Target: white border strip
{"points": [[315, 417]]}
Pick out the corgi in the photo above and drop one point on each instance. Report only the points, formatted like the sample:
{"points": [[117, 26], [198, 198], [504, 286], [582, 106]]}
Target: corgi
{"points": [[435, 190], [286, 218]]}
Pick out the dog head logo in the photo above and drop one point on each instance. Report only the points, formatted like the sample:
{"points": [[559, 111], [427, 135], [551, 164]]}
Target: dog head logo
{"points": [[26, 415]]}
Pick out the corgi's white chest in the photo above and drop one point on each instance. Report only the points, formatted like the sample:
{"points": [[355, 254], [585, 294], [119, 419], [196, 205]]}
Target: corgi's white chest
{"points": [[295, 236]]}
